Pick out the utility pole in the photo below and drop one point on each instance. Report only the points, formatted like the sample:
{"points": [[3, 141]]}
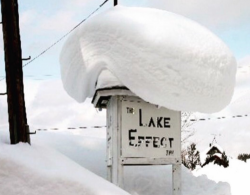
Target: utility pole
{"points": [[115, 2], [18, 127]]}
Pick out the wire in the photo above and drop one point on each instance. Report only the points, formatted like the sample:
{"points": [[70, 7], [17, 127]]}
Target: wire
{"points": [[73, 128], [52, 45], [219, 118], [104, 126], [66, 33]]}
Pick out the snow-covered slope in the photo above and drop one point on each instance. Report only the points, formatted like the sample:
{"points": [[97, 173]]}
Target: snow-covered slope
{"points": [[37, 169], [54, 165], [237, 174], [162, 57]]}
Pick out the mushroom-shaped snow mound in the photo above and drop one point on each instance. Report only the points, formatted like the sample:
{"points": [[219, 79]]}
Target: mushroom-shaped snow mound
{"points": [[164, 58]]}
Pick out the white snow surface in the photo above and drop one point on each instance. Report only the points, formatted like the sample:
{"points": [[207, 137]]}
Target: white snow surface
{"points": [[164, 58], [54, 165], [37, 169], [106, 80], [237, 174]]}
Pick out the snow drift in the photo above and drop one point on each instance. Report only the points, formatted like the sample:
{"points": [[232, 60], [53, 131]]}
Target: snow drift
{"points": [[162, 57], [36, 170], [58, 169], [237, 175]]}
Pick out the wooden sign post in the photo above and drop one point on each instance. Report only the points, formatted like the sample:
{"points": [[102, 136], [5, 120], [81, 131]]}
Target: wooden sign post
{"points": [[140, 133]]}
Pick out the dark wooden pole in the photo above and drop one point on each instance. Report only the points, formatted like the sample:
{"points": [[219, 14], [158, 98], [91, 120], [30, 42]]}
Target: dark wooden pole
{"points": [[19, 131], [115, 2]]}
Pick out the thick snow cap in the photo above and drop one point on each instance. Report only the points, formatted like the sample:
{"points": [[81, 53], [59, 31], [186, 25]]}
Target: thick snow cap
{"points": [[164, 58]]}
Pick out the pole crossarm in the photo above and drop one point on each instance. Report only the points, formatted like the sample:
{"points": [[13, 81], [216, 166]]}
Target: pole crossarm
{"points": [[27, 58]]}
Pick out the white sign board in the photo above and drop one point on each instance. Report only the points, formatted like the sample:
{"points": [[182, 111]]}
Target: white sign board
{"points": [[149, 131], [139, 133]]}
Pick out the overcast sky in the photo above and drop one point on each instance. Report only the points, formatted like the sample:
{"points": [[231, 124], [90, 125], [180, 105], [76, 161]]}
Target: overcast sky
{"points": [[44, 22]]}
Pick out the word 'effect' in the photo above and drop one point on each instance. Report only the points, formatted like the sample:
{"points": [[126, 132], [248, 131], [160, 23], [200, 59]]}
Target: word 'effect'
{"points": [[148, 141]]}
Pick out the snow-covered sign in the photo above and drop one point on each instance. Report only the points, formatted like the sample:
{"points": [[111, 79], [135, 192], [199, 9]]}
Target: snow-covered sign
{"points": [[139, 133], [163, 58], [149, 131]]}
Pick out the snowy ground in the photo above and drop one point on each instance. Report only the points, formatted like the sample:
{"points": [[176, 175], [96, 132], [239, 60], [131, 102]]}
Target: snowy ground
{"points": [[55, 162], [237, 175], [41, 169]]}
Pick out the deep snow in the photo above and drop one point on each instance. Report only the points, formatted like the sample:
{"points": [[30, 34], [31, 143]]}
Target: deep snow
{"points": [[182, 64], [39, 169], [55, 162], [237, 175], [106, 80]]}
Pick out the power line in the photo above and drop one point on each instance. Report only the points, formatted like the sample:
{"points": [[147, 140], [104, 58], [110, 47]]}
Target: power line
{"points": [[52, 45], [104, 126], [221, 117], [56, 42], [72, 128]]}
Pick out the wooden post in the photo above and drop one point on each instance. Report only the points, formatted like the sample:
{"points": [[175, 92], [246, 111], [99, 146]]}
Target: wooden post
{"points": [[176, 172], [115, 168], [19, 131], [176, 179]]}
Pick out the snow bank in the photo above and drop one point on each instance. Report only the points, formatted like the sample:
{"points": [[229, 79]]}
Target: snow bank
{"points": [[36, 170], [87, 148], [162, 57], [237, 174], [57, 168], [157, 180]]}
